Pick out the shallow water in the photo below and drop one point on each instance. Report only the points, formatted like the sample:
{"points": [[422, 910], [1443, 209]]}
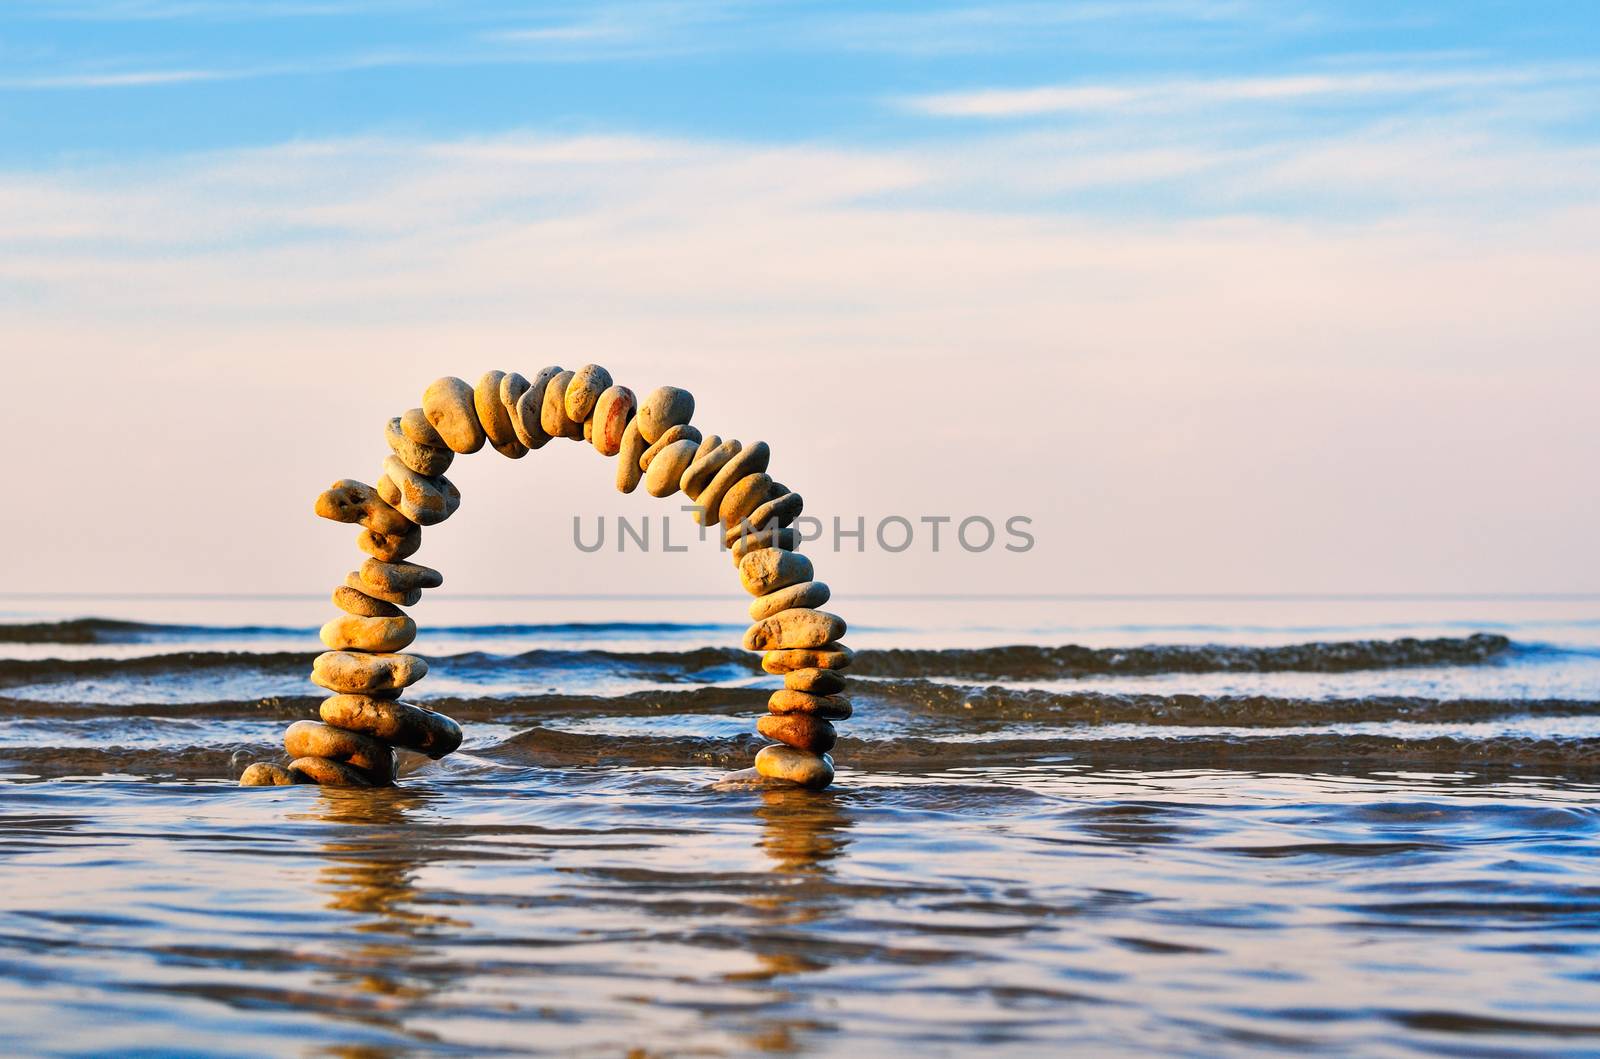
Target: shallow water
{"points": [[1277, 841]]}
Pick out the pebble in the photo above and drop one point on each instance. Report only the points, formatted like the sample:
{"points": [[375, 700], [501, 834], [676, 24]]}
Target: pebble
{"points": [[414, 424], [424, 459], [765, 571], [707, 462], [803, 731], [494, 418], [668, 467], [390, 547], [681, 432], [781, 762], [353, 633], [528, 420], [353, 601], [816, 681], [512, 386], [787, 701], [399, 577], [399, 599], [402, 724], [775, 513], [583, 392], [707, 443], [747, 494], [804, 594], [613, 411], [752, 460], [350, 673], [449, 404], [553, 410], [663, 408], [830, 656], [628, 470], [389, 492], [794, 629], [425, 501], [348, 500], [328, 773], [745, 543], [315, 739], [265, 774]]}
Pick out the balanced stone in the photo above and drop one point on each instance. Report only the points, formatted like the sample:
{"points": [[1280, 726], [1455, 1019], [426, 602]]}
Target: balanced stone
{"points": [[512, 387], [348, 500], [315, 739], [633, 445], [400, 577], [353, 601], [529, 418], [450, 405], [752, 460], [673, 435], [351, 673], [414, 424], [804, 594], [745, 543], [781, 762], [553, 409], [613, 411], [399, 599], [266, 774], [803, 731], [774, 514], [707, 462], [668, 466], [747, 494], [424, 459], [769, 569], [830, 656], [793, 629], [815, 681], [329, 773], [707, 443], [402, 724], [390, 547], [787, 701], [663, 408], [588, 429], [494, 418], [390, 493], [352, 633], [582, 393], [423, 500]]}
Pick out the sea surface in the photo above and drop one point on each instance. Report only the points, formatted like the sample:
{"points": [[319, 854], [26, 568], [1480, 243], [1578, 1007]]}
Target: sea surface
{"points": [[1123, 826]]}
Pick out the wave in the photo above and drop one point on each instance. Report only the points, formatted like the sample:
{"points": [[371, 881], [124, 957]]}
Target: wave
{"points": [[111, 631]]}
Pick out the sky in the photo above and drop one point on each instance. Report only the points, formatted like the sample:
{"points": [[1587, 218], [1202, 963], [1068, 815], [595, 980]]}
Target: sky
{"points": [[1220, 295]]}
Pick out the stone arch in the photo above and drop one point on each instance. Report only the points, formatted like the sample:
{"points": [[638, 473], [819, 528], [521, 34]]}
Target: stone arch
{"points": [[365, 665]]}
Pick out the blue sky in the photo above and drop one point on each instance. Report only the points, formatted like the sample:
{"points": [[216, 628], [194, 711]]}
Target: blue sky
{"points": [[1229, 295]]}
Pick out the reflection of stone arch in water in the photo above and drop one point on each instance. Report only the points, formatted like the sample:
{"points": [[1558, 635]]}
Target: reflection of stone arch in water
{"points": [[727, 481]]}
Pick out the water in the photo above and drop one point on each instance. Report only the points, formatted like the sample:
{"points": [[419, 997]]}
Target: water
{"points": [[1348, 826]]}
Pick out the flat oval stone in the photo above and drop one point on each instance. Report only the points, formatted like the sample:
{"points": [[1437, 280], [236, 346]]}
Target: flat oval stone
{"points": [[769, 569], [776, 513], [788, 701], [389, 492], [424, 459], [804, 594], [402, 724], [613, 411], [390, 547], [707, 462], [494, 418], [352, 601], [745, 543], [793, 629], [399, 599], [512, 386], [326, 772], [352, 633], [528, 419], [553, 411], [830, 656], [425, 501], [629, 472], [803, 731], [747, 494], [681, 432], [315, 739], [450, 405], [814, 681], [351, 673], [266, 774], [400, 577], [583, 392], [668, 466], [663, 408], [414, 425], [809, 770], [752, 460], [348, 500]]}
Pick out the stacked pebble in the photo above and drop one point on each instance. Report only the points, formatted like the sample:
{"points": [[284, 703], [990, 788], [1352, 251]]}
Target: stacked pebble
{"points": [[365, 720]]}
